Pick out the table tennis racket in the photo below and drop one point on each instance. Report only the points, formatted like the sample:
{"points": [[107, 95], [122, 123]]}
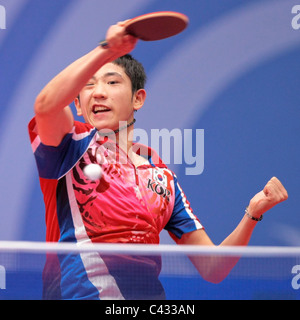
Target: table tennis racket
{"points": [[155, 26]]}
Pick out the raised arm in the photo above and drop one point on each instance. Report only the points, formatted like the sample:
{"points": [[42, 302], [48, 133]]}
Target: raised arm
{"points": [[214, 268], [53, 114]]}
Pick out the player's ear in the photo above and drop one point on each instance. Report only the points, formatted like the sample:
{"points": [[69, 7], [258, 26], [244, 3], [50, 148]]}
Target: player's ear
{"points": [[78, 106], [139, 98]]}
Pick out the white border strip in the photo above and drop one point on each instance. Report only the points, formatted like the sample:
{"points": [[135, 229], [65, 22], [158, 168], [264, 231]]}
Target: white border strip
{"points": [[144, 249], [95, 267]]}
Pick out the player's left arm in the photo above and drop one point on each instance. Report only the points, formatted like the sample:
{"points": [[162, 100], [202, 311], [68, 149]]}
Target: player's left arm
{"points": [[272, 194]]}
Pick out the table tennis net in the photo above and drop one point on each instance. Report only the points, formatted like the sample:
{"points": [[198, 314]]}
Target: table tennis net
{"points": [[262, 273]]}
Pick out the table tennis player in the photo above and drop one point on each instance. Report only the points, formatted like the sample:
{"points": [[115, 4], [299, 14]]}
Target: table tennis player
{"points": [[137, 196]]}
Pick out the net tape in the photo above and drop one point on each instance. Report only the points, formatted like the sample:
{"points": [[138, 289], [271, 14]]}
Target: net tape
{"points": [[148, 249]]}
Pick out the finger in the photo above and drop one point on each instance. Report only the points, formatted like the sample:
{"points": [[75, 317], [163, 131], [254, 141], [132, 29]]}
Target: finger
{"points": [[275, 191], [123, 23], [272, 191], [271, 187], [280, 188], [276, 182], [131, 39]]}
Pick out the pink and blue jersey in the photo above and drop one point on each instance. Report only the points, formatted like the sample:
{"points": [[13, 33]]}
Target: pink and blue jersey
{"points": [[128, 204]]}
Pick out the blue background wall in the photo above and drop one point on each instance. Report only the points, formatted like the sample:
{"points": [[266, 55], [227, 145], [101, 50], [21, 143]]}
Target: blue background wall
{"points": [[234, 73]]}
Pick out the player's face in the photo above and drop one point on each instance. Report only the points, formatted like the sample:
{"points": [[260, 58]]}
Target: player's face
{"points": [[107, 98]]}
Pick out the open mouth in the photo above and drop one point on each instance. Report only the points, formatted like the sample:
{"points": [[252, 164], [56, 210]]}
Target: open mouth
{"points": [[100, 109]]}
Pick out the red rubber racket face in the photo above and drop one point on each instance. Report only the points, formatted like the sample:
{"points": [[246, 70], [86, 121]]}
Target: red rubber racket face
{"points": [[157, 25]]}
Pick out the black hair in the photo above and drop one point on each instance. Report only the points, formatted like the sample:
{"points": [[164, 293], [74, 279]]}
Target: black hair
{"points": [[134, 70]]}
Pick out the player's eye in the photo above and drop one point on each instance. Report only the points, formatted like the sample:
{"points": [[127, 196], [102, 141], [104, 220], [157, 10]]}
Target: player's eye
{"points": [[112, 82]]}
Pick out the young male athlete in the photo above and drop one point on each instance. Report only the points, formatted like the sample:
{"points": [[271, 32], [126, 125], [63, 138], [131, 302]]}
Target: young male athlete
{"points": [[137, 196]]}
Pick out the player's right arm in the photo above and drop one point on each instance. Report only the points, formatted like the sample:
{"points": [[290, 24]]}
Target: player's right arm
{"points": [[53, 115]]}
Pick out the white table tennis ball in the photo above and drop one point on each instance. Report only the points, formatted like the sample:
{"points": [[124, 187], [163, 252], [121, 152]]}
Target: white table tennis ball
{"points": [[93, 171]]}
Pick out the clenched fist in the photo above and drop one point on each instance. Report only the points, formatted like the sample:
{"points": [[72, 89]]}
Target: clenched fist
{"points": [[272, 194]]}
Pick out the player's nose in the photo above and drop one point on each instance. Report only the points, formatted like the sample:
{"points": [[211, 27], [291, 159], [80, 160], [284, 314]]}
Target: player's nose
{"points": [[99, 91]]}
